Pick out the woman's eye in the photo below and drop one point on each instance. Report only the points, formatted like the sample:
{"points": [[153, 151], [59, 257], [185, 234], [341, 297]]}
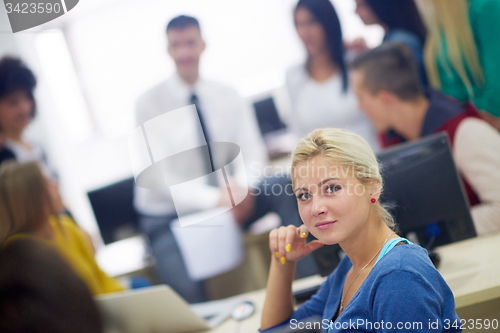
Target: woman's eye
{"points": [[303, 196], [333, 188]]}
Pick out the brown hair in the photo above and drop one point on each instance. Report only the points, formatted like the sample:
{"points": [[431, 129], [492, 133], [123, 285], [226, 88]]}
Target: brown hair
{"points": [[40, 292], [390, 67], [25, 201]]}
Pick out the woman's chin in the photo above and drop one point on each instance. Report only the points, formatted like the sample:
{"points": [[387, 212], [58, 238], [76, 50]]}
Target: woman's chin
{"points": [[328, 239]]}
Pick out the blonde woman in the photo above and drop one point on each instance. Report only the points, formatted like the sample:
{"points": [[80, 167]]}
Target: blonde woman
{"points": [[384, 280], [462, 51], [27, 210]]}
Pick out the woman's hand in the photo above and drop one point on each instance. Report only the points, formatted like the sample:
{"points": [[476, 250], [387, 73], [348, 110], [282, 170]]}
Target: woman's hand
{"points": [[289, 243], [358, 45]]}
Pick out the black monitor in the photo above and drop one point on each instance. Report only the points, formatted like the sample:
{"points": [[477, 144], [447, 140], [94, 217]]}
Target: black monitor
{"points": [[267, 116], [114, 210], [423, 192]]}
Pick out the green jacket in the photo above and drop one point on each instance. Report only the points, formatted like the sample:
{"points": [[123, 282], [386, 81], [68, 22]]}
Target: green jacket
{"points": [[484, 17]]}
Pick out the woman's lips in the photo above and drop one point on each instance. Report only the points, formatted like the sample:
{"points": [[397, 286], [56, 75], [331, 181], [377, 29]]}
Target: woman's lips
{"points": [[324, 225]]}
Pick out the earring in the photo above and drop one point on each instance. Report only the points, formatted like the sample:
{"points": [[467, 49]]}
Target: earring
{"points": [[373, 200]]}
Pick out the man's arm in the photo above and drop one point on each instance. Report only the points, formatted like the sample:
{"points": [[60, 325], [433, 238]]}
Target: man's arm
{"points": [[477, 155]]}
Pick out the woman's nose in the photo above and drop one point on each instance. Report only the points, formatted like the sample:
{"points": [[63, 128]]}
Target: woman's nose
{"points": [[319, 208]]}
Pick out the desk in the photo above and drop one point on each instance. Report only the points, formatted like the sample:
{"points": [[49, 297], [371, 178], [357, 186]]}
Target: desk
{"points": [[252, 324], [471, 268]]}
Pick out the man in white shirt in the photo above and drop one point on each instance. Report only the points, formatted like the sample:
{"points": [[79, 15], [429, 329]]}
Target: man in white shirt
{"points": [[224, 118]]}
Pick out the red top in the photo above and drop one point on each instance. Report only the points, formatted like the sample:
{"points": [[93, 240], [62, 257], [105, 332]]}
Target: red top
{"points": [[443, 116]]}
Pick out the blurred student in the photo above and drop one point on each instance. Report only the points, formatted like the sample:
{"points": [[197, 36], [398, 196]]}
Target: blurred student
{"points": [[386, 82], [224, 117], [401, 22], [319, 88], [463, 51], [40, 292], [27, 211], [17, 109]]}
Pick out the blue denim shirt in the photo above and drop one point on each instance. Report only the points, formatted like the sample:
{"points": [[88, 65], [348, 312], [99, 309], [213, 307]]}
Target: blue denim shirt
{"points": [[403, 288], [415, 44]]}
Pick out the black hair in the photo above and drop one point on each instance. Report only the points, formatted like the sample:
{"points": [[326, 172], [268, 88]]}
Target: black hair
{"points": [[400, 14], [325, 14], [182, 22], [15, 76], [390, 67]]}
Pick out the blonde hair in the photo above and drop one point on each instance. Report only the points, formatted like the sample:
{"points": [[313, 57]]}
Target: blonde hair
{"points": [[25, 199], [347, 150], [449, 20]]}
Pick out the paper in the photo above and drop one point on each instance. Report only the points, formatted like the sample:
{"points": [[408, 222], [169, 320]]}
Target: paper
{"points": [[211, 247]]}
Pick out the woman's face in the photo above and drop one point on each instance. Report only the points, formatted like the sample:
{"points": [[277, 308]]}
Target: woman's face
{"points": [[310, 31], [332, 203], [15, 112], [365, 13]]}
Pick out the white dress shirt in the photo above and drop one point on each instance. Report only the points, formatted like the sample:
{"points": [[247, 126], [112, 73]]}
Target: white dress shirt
{"points": [[227, 119], [477, 154], [324, 104]]}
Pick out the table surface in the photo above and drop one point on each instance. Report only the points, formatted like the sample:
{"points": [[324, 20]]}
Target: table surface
{"points": [[471, 268], [257, 297]]}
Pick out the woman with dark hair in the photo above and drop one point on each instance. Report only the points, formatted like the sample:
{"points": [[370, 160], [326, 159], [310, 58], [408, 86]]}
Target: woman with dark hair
{"points": [[17, 109], [319, 89], [401, 22]]}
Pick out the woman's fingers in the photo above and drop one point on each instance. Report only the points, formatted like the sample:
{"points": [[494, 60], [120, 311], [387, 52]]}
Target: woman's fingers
{"points": [[314, 245], [303, 232], [282, 238], [290, 238], [273, 242], [289, 243]]}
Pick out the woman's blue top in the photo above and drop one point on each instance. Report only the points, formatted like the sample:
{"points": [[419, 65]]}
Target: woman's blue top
{"points": [[403, 292]]}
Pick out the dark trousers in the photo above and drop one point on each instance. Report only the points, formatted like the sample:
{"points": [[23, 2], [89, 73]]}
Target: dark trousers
{"points": [[170, 265]]}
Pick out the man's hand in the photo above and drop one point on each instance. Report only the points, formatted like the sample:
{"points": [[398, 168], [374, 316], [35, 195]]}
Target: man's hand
{"points": [[358, 45], [242, 211]]}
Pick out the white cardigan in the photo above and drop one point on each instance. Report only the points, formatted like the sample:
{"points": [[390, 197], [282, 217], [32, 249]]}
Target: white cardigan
{"points": [[324, 104], [476, 151]]}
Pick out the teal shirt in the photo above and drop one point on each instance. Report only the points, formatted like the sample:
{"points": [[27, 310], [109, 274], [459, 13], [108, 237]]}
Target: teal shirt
{"points": [[484, 17]]}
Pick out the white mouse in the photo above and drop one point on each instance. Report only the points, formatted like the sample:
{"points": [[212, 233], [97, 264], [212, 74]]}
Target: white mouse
{"points": [[243, 310]]}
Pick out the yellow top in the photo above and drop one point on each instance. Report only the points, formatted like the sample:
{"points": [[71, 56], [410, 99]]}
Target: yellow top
{"points": [[71, 243]]}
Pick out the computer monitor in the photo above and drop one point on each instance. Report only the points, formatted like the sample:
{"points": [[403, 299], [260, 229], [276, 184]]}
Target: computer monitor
{"points": [[423, 192], [268, 116], [114, 210]]}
